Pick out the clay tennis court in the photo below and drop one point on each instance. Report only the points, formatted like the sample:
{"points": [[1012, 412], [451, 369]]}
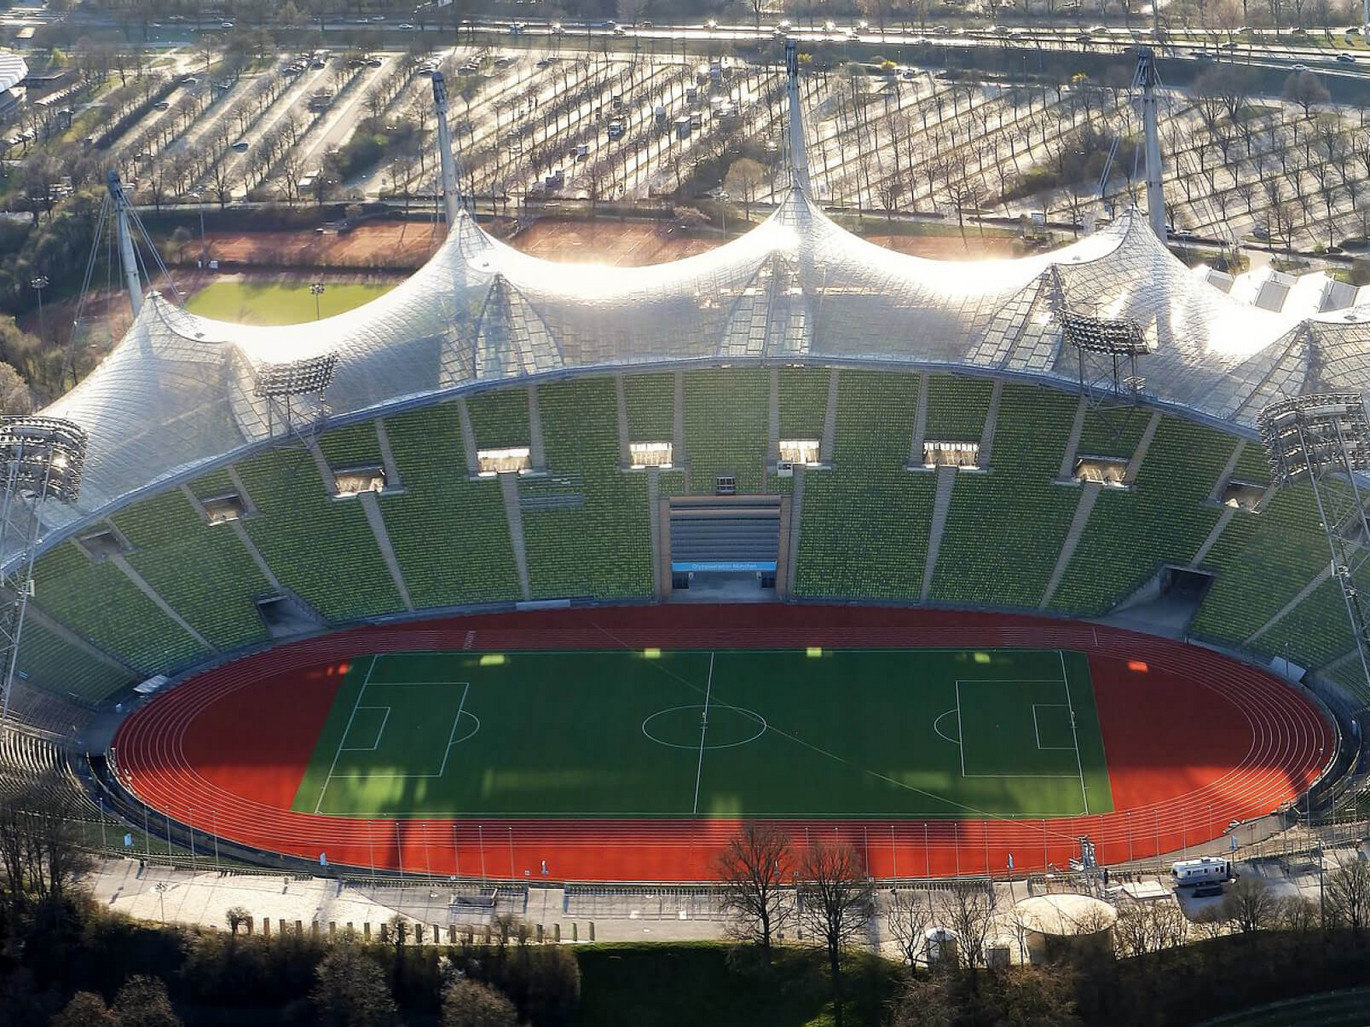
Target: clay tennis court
{"points": [[1191, 740]]}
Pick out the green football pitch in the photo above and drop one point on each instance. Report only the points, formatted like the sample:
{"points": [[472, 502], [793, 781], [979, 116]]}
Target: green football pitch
{"points": [[733, 733], [279, 303]]}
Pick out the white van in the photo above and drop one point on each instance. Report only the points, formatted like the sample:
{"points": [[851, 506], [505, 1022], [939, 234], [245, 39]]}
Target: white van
{"points": [[1205, 870]]}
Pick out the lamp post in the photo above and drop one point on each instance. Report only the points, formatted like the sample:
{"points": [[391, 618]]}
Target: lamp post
{"points": [[316, 290], [199, 195], [39, 283]]}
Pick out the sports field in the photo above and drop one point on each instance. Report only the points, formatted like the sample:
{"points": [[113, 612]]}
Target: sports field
{"points": [[927, 733], [279, 303]]}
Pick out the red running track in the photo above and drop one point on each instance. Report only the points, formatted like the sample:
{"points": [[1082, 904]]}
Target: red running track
{"points": [[1194, 740]]}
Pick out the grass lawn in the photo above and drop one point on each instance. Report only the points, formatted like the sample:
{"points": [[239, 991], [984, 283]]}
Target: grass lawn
{"points": [[780, 733], [279, 303]]}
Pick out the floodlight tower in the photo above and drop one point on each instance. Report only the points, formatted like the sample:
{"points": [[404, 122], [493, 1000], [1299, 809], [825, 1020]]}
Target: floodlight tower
{"points": [[41, 459], [281, 383], [799, 158], [1106, 350], [132, 279], [1148, 79], [1326, 436], [451, 192]]}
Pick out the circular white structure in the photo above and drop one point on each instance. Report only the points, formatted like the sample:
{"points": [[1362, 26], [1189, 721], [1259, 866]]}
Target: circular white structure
{"points": [[13, 70], [1058, 924]]}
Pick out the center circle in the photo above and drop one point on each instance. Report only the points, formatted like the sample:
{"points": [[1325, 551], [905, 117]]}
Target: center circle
{"points": [[682, 727]]}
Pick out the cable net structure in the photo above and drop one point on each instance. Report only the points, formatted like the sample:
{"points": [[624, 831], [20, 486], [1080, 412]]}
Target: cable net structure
{"points": [[181, 394]]}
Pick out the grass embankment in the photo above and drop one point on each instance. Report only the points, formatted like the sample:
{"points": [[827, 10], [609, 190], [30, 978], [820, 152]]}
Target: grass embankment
{"points": [[689, 985]]}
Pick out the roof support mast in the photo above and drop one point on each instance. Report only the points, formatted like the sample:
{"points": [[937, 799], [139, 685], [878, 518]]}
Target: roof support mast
{"points": [[451, 192], [132, 279], [1155, 197], [799, 158]]}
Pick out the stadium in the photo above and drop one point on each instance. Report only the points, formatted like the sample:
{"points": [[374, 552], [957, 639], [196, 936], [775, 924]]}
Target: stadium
{"points": [[541, 569]]}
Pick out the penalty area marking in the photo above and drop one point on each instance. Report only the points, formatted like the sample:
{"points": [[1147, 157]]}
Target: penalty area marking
{"points": [[936, 726]]}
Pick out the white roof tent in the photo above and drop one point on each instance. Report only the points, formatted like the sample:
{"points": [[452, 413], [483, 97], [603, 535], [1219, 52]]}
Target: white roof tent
{"points": [[181, 393]]}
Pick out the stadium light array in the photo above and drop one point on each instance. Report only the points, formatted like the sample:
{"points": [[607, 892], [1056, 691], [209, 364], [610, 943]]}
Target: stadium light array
{"points": [[1313, 434], [297, 377], [43, 457], [1117, 336]]}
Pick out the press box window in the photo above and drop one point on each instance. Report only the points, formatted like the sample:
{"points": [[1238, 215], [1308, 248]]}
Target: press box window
{"points": [[355, 480], [650, 454], [945, 453], [516, 460], [223, 509], [1243, 496], [802, 452], [1110, 473], [101, 545]]}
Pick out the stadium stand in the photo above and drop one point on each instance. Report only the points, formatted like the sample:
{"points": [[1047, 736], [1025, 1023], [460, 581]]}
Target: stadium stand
{"points": [[1163, 518], [449, 531], [97, 600], [586, 498], [957, 407], [650, 402], [879, 554], [1261, 562], [49, 663], [499, 417], [353, 446], [803, 402], [1006, 526], [319, 547], [1114, 435], [586, 521], [726, 415], [168, 536]]}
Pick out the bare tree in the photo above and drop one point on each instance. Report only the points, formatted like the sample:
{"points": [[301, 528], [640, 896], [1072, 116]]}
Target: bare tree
{"points": [[1249, 904], [742, 181], [1305, 89], [836, 903], [1144, 927], [908, 916], [754, 868], [968, 911], [237, 916], [1348, 893]]}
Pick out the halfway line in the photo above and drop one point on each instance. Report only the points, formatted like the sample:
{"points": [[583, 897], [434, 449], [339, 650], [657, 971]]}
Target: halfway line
{"points": [[703, 730]]}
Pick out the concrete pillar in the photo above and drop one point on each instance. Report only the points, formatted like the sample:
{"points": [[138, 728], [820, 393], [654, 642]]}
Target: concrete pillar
{"points": [[556, 934], [266, 927]]}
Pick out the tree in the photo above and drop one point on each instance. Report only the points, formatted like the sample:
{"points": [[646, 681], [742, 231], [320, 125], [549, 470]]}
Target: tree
{"points": [[237, 916], [1305, 89], [908, 917], [1249, 904], [1348, 893], [143, 1002], [836, 904], [753, 868], [743, 178], [352, 991], [86, 1009], [467, 1003], [968, 910]]}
